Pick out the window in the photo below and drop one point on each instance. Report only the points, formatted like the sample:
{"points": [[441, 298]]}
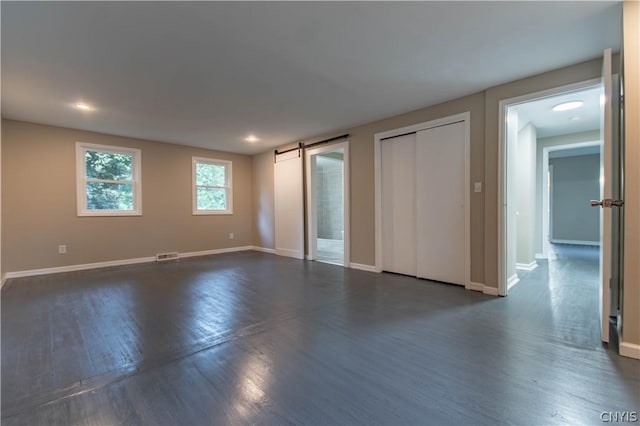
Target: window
{"points": [[108, 180], [212, 192]]}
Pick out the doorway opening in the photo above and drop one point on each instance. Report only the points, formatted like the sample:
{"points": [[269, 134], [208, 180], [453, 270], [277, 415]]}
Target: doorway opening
{"points": [[327, 203], [552, 174], [551, 171], [554, 247]]}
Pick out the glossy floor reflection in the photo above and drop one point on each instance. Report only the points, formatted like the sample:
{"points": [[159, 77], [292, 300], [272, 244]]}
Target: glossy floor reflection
{"points": [[252, 338], [331, 251], [564, 291]]}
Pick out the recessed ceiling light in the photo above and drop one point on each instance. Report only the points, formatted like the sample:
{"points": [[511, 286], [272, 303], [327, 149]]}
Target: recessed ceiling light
{"points": [[251, 139], [575, 118], [83, 106], [566, 106]]}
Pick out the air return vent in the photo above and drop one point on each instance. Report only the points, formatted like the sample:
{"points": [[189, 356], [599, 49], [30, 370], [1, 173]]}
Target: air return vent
{"points": [[164, 257]]}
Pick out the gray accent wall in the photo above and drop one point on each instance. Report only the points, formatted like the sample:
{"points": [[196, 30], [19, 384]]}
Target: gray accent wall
{"points": [[542, 143], [329, 181], [575, 181]]}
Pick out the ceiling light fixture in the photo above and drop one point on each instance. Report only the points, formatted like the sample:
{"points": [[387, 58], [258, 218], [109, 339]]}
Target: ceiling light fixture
{"points": [[251, 139], [82, 106], [575, 118], [566, 106]]}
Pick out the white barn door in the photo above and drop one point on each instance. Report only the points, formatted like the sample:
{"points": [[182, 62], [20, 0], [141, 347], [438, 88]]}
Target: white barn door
{"points": [[289, 207]]}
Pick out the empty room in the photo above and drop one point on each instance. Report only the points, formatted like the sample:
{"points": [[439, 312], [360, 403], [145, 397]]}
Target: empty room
{"points": [[320, 213]]}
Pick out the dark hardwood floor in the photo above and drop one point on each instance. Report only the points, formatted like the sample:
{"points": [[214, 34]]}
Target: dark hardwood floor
{"points": [[252, 338]]}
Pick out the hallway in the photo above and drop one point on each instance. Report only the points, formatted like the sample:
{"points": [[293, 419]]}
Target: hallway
{"points": [[560, 296]]}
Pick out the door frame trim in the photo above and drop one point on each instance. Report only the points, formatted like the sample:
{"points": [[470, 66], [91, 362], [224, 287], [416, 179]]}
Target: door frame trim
{"points": [[377, 140], [311, 199], [503, 104]]}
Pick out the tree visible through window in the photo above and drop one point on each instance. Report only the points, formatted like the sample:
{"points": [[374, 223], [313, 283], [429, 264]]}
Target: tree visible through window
{"points": [[109, 183], [103, 169], [212, 186]]}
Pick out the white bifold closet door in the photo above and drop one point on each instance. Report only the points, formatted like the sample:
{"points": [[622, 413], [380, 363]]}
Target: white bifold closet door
{"points": [[399, 204], [423, 204], [440, 202], [289, 208]]}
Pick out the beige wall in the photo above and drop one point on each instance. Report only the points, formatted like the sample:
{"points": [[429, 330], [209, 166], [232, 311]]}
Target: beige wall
{"points": [[631, 304], [39, 202], [362, 177], [263, 201], [484, 162]]}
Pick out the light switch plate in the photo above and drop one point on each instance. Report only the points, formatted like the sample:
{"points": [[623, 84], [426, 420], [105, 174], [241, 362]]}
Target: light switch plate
{"points": [[477, 187]]}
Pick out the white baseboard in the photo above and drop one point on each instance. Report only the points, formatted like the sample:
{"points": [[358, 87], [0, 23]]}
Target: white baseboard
{"points": [[363, 267], [263, 249], [576, 242], [214, 251], [491, 291], [111, 263], [513, 280], [630, 350], [289, 253], [475, 286], [541, 256], [527, 266], [81, 267]]}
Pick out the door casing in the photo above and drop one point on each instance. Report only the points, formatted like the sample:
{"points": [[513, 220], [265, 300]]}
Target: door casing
{"points": [[311, 199], [503, 105]]}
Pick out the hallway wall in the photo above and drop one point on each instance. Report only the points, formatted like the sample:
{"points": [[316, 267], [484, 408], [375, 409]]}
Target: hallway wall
{"points": [[576, 181], [526, 192]]}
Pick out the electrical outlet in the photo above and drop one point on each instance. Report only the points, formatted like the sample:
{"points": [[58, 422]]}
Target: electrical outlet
{"points": [[62, 249], [231, 235], [477, 187]]}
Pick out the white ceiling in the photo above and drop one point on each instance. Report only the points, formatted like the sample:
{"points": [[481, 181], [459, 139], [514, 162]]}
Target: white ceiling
{"points": [[208, 74], [552, 123]]}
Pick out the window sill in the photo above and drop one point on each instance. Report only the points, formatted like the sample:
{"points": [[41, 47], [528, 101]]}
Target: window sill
{"points": [[108, 214], [212, 212]]}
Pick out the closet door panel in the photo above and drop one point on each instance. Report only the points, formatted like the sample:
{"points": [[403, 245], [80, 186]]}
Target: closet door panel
{"points": [[398, 170], [440, 203]]}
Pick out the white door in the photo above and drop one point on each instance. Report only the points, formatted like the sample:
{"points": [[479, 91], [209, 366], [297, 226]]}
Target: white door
{"points": [[440, 203], [606, 174], [398, 168], [289, 207]]}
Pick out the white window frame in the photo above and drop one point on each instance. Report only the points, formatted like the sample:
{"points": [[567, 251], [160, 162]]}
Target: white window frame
{"points": [[228, 174], [81, 179]]}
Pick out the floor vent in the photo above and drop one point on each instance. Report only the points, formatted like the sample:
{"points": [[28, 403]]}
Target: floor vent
{"points": [[164, 257]]}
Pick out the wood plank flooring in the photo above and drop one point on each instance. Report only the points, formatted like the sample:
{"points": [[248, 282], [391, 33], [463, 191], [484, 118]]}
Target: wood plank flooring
{"points": [[252, 338]]}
